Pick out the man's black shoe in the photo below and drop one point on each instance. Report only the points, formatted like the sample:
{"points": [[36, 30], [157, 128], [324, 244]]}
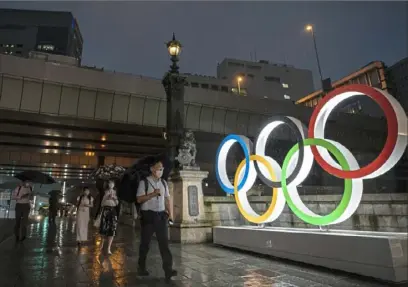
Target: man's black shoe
{"points": [[170, 274], [143, 272]]}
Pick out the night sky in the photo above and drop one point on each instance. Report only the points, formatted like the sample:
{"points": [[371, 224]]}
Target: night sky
{"points": [[130, 36]]}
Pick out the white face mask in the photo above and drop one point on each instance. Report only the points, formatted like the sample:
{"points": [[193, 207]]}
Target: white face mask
{"points": [[111, 185], [158, 173], [86, 192]]}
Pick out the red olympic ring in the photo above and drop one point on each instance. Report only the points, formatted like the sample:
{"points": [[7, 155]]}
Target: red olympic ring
{"points": [[392, 125]]}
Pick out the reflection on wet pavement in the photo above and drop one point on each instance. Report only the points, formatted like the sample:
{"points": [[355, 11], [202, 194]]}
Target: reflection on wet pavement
{"points": [[50, 257]]}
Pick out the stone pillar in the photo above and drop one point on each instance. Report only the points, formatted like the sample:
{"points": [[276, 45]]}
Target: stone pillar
{"points": [[190, 223]]}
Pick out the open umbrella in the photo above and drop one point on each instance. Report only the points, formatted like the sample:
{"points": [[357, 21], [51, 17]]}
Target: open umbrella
{"points": [[128, 184], [35, 177], [107, 172], [142, 165]]}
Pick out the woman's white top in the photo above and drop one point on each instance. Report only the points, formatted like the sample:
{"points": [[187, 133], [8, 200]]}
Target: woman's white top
{"points": [[85, 202], [110, 198]]}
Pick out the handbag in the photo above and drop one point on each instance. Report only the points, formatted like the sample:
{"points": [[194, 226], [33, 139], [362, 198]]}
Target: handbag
{"points": [[97, 222]]}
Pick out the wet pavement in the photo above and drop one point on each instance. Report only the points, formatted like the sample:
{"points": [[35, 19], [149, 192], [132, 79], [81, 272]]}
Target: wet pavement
{"points": [[50, 257]]}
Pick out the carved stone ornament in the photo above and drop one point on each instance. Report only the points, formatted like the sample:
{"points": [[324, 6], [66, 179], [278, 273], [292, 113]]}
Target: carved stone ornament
{"points": [[187, 151]]}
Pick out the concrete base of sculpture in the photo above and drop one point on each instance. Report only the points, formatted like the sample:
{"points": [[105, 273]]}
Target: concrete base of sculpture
{"points": [[380, 255], [190, 225], [190, 233]]}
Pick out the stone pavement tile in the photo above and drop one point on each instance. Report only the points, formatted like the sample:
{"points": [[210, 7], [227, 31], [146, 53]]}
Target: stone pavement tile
{"points": [[195, 275], [300, 282], [313, 276], [50, 258]]}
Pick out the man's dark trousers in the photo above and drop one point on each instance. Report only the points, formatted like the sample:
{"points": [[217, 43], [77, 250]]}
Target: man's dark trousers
{"points": [[22, 212], [155, 222]]}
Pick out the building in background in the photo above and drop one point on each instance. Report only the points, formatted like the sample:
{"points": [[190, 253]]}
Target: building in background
{"points": [[373, 74], [260, 80], [24, 31], [397, 76], [266, 80]]}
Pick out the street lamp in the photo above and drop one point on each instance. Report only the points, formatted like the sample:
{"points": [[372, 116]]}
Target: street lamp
{"points": [[174, 48], [239, 80], [309, 28], [173, 84]]}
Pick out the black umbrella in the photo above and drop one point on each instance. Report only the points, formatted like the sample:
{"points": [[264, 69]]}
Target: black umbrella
{"points": [[128, 184], [35, 177], [142, 165]]}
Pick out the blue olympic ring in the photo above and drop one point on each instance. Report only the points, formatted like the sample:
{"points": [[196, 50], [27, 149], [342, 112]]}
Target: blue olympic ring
{"points": [[244, 147]]}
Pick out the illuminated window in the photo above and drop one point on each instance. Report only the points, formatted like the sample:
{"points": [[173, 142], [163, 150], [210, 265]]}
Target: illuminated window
{"points": [[48, 47], [285, 85], [286, 97]]}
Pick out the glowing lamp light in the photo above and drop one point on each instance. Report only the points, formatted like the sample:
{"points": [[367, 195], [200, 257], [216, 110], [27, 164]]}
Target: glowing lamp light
{"points": [[309, 28], [174, 47], [299, 160]]}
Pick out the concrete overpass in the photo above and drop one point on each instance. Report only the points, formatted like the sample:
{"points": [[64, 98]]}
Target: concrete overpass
{"points": [[66, 119]]}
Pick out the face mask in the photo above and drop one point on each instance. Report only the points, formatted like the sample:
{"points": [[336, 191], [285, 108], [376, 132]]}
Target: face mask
{"points": [[86, 192], [158, 173], [111, 185]]}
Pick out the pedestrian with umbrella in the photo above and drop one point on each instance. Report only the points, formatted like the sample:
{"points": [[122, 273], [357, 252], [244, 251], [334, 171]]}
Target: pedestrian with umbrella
{"points": [[155, 209], [22, 195], [54, 205], [102, 176]]}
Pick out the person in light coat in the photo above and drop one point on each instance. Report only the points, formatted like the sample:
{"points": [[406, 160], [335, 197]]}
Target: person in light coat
{"points": [[84, 203]]}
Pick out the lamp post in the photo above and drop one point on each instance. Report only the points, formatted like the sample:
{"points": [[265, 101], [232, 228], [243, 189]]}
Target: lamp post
{"points": [[174, 86], [239, 80], [309, 28]]}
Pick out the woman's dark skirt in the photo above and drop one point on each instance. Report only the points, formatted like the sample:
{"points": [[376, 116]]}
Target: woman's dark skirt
{"points": [[109, 221]]}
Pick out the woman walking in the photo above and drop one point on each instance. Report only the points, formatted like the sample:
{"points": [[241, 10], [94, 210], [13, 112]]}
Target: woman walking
{"points": [[109, 218], [85, 202]]}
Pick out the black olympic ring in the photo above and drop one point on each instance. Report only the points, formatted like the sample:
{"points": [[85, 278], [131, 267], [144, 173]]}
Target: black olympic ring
{"points": [[286, 120]]}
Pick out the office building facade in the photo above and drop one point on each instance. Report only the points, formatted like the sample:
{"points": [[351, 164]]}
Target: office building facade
{"points": [[374, 74], [266, 80], [24, 31], [397, 76]]}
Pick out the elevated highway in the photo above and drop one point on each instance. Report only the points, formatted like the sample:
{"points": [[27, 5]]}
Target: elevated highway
{"points": [[67, 120]]}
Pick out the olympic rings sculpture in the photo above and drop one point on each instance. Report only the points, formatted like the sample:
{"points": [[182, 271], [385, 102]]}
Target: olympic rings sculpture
{"points": [[299, 160]]}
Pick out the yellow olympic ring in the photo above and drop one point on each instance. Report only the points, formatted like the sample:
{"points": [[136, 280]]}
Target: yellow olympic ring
{"points": [[261, 218]]}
